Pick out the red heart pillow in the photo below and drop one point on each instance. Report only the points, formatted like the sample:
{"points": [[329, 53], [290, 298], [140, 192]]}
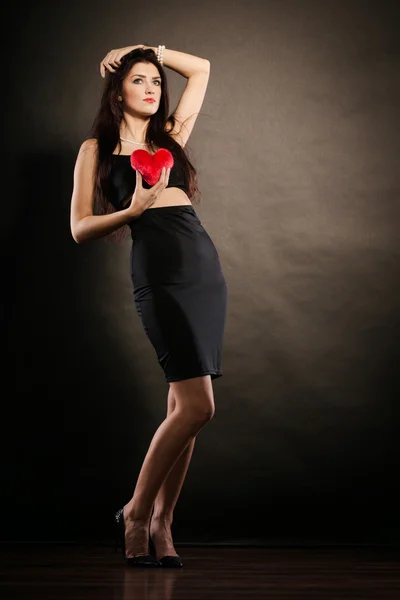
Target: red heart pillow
{"points": [[150, 165]]}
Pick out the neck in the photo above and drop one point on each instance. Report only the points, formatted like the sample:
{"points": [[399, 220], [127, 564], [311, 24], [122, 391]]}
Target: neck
{"points": [[134, 129], [133, 142]]}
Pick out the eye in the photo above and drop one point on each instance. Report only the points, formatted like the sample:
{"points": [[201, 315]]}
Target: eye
{"points": [[140, 79]]}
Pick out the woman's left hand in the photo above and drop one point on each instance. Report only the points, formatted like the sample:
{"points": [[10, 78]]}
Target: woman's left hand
{"points": [[113, 59]]}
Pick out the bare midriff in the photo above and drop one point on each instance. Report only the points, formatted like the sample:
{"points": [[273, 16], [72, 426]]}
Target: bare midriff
{"points": [[171, 196]]}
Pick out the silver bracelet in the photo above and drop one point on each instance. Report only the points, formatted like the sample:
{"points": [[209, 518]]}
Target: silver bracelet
{"points": [[160, 54]]}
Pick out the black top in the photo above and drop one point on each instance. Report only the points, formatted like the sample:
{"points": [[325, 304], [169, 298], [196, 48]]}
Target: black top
{"points": [[122, 179]]}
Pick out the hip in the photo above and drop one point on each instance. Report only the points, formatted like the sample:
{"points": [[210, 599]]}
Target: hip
{"points": [[173, 259]]}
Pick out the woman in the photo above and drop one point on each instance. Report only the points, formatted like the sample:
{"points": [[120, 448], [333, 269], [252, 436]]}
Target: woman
{"points": [[179, 289]]}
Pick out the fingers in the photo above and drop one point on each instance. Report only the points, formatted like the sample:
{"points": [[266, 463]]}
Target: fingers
{"points": [[161, 184], [167, 174], [111, 62], [113, 59], [164, 177], [157, 186], [103, 66]]}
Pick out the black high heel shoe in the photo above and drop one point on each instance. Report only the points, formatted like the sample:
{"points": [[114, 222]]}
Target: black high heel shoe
{"points": [[168, 561], [146, 560]]}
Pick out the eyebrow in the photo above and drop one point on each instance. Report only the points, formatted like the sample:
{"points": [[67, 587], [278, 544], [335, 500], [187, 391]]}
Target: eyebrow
{"points": [[141, 75]]}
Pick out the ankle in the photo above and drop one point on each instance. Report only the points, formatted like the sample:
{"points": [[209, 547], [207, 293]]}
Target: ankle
{"points": [[133, 515], [162, 518]]}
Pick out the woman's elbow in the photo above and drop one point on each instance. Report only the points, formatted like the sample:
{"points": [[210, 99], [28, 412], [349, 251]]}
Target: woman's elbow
{"points": [[76, 232], [76, 239]]}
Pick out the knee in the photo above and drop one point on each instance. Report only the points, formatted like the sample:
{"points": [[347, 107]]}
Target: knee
{"points": [[201, 409], [196, 413], [195, 398], [204, 413]]}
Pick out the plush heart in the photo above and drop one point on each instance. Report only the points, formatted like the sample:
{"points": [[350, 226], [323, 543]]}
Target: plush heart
{"points": [[149, 166]]}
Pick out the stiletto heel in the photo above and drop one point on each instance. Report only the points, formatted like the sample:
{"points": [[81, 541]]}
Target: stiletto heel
{"points": [[168, 561], [146, 560]]}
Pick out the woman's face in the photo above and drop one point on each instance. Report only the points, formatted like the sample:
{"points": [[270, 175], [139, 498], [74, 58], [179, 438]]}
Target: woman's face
{"points": [[143, 81]]}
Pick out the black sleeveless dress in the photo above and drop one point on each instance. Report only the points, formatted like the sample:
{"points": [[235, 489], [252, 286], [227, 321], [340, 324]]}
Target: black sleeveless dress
{"points": [[179, 289]]}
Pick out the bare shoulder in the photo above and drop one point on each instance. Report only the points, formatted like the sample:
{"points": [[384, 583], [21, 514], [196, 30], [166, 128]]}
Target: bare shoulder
{"points": [[87, 155], [89, 146]]}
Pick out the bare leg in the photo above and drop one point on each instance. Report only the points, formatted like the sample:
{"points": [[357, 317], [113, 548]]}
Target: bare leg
{"points": [[167, 497], [194, 407]]}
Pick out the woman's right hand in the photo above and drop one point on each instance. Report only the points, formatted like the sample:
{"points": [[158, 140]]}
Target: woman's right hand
{"points": [[143, 198], [112, 59]]}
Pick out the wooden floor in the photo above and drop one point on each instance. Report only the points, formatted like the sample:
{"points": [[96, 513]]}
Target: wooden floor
{"points": [[70, 572]]}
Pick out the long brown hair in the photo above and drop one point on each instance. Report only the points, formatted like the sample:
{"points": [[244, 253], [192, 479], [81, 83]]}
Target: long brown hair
{"points": [[106, 130]]}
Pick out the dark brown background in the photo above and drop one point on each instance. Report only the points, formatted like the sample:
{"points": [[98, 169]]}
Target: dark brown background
{"points": [[297, 152]]}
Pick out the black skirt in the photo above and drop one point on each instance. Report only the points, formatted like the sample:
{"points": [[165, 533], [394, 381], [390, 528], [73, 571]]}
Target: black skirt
{"points": [[180, 291]]}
